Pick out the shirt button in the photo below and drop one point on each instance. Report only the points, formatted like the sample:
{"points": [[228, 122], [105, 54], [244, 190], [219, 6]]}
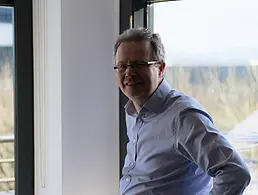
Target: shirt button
{"points": [[132, 164], [134, 140], [127, 179]]}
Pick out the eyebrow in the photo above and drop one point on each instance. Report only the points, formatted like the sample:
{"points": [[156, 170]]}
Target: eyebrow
{"points": [[133, 61], [120, 62]]}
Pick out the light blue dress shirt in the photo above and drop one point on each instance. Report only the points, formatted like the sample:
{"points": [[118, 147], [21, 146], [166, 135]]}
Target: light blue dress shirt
{"points": [[174, 149]]}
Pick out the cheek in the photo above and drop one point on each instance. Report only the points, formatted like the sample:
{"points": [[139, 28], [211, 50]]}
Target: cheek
{"points": [[119, 80], [148, 76], [151, 79]]}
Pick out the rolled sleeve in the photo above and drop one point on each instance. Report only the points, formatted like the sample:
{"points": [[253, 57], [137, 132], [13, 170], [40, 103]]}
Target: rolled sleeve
{"points": [[199, 141]]}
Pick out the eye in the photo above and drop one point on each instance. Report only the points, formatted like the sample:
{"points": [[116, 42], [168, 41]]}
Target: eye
{"points": [[122, 66], [139, 64]]}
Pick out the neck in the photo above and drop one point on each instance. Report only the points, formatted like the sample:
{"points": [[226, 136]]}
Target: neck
{"points": [[138, 105]]}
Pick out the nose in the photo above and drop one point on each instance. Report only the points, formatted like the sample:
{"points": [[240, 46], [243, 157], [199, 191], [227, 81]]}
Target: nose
{"points": [[130, 71]]}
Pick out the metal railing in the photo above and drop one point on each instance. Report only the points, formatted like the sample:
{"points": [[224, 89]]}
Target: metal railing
{"points": [[7, 138]]}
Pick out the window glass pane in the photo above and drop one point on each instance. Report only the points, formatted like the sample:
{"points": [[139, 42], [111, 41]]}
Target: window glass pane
{"points": [[212, 55], [6, 101]]}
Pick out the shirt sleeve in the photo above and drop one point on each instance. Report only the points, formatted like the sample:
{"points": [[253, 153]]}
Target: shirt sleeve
{"points": [[199, 141]]}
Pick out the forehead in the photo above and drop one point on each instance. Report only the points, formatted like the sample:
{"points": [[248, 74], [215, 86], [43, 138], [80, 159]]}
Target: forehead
{"points": [[133, 51]]}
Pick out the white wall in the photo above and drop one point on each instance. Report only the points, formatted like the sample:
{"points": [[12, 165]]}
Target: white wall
{"points": [[89, 97], [76, 99]]}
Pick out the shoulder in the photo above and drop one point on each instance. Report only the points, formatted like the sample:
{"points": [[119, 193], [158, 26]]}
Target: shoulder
{"points": [[185, 108], [180, 102]]}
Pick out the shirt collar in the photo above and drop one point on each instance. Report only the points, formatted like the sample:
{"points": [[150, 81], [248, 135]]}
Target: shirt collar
{"points": [[154, 103]]}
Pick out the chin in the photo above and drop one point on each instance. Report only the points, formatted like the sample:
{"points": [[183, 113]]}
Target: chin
{"points": [[135, 95]]}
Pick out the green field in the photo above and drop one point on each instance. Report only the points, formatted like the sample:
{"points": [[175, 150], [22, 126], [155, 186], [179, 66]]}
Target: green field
{"points": [[6, 126]]}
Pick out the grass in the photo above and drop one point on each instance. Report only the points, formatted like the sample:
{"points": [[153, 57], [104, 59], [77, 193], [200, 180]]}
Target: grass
{"points": [[229, 102], [6, 124]]}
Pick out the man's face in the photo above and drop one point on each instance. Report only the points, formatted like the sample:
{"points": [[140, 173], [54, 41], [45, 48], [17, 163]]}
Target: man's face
{"points": [[137, 83]]}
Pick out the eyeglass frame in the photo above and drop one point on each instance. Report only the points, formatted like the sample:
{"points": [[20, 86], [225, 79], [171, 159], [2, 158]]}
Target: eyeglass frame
{"points": [[134, 65]]}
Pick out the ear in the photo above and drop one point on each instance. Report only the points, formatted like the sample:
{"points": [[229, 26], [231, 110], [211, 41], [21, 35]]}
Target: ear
{"points": [[162, 69]]}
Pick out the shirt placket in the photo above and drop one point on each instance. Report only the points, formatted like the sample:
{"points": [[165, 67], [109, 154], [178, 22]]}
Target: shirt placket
{"points": [[135, 140]]}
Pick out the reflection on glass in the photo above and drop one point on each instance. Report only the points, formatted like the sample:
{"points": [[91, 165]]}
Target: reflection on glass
{"points": [[212, 55], [6, 100]]}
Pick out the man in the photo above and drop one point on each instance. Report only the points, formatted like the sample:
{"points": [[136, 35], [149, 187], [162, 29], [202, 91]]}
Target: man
{"points": [[174, 147]]}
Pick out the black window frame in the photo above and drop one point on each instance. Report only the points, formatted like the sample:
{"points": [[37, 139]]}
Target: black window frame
{"points": [[143, 6], [23, 95], [126, 10], [7, 3]]}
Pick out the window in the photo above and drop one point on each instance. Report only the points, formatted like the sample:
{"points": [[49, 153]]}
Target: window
{"points": [[6, 100], [16, 98], [212, 55]]}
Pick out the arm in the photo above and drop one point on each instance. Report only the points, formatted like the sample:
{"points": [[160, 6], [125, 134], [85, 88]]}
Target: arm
{"points": [[199, 141]]}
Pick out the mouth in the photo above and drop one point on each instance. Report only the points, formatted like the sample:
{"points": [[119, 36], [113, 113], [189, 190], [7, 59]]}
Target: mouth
{"points": [[130, 84]]}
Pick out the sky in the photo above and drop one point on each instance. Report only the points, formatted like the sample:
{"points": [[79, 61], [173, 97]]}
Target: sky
{"points": [[200, 32], [6, 34], [214, 32]]}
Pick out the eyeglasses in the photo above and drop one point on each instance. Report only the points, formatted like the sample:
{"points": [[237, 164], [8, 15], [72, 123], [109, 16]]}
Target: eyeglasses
{"points": [[121, 67]]}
